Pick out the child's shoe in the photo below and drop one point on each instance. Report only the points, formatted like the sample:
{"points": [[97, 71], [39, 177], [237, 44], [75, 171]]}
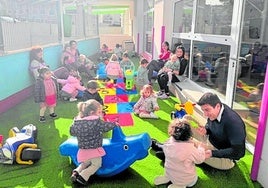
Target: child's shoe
{"points": [[159, 180], [42, 119], [81, 180], [74, 176], [152, 115], [144, 115], [163, 96], [65, 98], [159, 93], [72, 99], [174, 186], [53, 115]]}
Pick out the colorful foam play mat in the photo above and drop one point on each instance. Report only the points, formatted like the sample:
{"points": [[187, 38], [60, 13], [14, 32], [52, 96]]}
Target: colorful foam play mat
{"points": [[117, 106]]}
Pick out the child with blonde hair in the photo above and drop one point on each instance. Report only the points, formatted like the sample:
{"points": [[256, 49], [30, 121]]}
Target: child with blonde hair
{"points": [[89, 127], [181, 155], [147, 104], [45, 93]]}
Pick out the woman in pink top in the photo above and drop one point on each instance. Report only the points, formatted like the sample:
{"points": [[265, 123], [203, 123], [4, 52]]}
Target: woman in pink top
{"points": [[66, 55], [113, 69], [156, 65], [70, 56], [181, 155]]}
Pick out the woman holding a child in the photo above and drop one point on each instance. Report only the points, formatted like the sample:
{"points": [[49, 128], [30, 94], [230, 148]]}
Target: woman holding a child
{"points": [[156, 65]]}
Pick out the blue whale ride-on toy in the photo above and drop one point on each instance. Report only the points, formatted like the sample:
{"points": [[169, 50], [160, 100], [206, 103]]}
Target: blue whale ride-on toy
{"points": [[121, 151], [21, 146]]}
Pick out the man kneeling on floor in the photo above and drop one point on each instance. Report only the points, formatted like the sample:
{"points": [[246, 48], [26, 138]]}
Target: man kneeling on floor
{"points": [[223, 136]]}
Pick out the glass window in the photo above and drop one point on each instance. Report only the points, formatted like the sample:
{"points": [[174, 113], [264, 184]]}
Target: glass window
{"points": [[252, 64], [148, 26], [148, 43], [210, 64], [214, 17], [149, 21], [177, 42], [183, 12], [148, 4]]}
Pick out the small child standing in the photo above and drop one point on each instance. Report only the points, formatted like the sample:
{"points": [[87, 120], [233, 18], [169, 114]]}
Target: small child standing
{"points": [[71, 86], [45, 93], [126, 64], [142, 74], [181, 155], [92, 92], [118, 51], [113, 69], [88, 128], [147, 104]]}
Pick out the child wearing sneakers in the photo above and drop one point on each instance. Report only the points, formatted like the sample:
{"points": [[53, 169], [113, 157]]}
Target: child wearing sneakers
{"points": [[89, 127], [71, 86], [45, 93], [147, 104], [92, 92], [181, 155]]}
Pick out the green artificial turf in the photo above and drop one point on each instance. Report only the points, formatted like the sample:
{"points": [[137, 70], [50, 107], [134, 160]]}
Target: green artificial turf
{"points": [[53, 170]]}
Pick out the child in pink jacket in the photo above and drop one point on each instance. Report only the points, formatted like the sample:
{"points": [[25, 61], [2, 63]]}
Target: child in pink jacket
{"points": [[113, 69], [181, 155], [71, 86]]}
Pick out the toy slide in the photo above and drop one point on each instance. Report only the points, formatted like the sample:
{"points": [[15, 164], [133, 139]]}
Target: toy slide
{"points": [[121, 151]]}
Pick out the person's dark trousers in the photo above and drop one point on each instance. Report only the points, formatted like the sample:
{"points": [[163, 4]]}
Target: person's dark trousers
{"points": [[174, 79], [162, 80], [154, 65]]}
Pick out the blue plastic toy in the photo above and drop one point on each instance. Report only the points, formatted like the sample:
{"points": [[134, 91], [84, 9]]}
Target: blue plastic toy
{"points": [[182, 110], [20, 146], [121, 151]]}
